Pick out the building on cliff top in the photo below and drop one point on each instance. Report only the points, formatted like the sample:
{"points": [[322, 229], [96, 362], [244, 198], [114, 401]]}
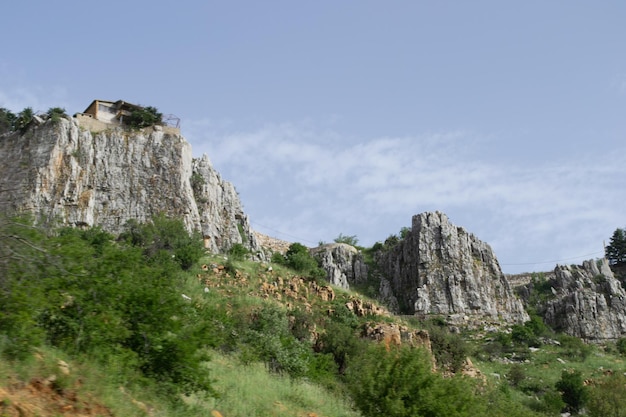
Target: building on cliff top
{"points": [[110, 111], [100, 114]]}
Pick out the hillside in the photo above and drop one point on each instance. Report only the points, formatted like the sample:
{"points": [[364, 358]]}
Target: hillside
{"points": [[131, 284]]}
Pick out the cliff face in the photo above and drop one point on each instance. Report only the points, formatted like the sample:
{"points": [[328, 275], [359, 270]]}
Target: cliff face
{"points": [[586, 301], [342, 262], [439, 268], [62, 172]]}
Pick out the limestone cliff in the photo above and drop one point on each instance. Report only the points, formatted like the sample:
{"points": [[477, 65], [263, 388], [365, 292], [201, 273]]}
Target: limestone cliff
{"points": [[585, 301], [63, 172], [439, 268], [343, 263]]}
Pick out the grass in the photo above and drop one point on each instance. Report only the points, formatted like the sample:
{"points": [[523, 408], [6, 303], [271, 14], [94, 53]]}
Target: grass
{"points": [[252, 391]]}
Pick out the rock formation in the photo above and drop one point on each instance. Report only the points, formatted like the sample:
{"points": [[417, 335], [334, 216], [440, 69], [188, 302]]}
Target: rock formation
{"points": [[438, 268], [342, 262], [585, 301], [63, 172]]}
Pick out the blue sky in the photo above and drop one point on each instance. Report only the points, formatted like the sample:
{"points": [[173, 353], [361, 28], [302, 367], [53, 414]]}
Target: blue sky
{"points": [[350, 117]]}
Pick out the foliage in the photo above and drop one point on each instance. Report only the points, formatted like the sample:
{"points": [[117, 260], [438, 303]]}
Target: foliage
{"points": [[621, 346], [7, 120], [23, 119], [164, 238], [616, 249], [350, 240], [271, 341], [574, 348], [340, 341], [573, 391], [400, 383], [92, 296], [608, 397], [55, 114], [299, 259], [450, 349], [404, 232], [238, 252], [144, 117]]}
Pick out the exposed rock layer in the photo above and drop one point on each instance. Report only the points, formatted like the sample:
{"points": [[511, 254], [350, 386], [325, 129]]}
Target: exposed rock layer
{"points": [[62, 172], [343, 263], [585, 301], [439, 268]]}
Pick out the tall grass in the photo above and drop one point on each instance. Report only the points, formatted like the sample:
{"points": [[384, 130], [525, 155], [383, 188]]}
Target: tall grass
{"points": [[252, 391]]}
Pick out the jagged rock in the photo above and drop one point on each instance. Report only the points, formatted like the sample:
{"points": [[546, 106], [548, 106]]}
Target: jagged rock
{"points": [[363, 308], [63, 172], [343, 263], [438, 268], [586, 301], [394, 334]]}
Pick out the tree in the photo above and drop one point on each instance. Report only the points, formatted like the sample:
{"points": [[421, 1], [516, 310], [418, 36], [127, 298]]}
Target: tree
{"points": [[573, 391], [7, 120], [616, 249], [55, 113], [350, 240], [144, 117], [23, 119]]}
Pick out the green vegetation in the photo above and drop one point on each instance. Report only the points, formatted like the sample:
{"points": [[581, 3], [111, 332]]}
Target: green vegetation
{"points": [[56, 113], [144, 117], [350, 240], [7, 120], [188, 333], [299, 259]]}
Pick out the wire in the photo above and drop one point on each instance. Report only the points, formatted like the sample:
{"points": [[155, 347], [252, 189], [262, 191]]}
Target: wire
{"points": [[556, 261], [282, 233]]}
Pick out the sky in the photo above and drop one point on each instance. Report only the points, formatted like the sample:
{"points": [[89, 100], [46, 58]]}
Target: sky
{"points": [[349, 117]]}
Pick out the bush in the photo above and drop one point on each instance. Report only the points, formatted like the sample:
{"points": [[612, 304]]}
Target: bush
{"points": [[450, 349], [608, 397], [350, 240], [55, 114], [573, 391], [92, 296], [238, 252], [164, 240], [144, 117], [400, 383], [271, 341], [7, 120], [621, 345]]}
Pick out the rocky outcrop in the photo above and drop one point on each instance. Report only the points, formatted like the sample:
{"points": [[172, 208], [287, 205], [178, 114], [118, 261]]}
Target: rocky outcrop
{"points": [[394, 334], [343, 263], [585, 301], [62, 172], [439, 268]]}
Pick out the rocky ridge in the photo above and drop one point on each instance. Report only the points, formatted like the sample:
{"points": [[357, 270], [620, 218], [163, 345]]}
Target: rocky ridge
{"points": [[343, 263], [62, 172], [585, 301], [439, 268]]}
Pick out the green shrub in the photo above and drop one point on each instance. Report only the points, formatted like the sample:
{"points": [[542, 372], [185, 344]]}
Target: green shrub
{"points": [[238, 252], [56, 113], [144, 117], [608, 397], [23, 119], [400, 383], [621, 345], [516, 374], [270, 338], [7, 120], [573, 391], [450, 349], [350, 240]]}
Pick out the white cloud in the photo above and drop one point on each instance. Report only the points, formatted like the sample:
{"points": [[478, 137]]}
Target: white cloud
{"points": [[321, 184]]}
